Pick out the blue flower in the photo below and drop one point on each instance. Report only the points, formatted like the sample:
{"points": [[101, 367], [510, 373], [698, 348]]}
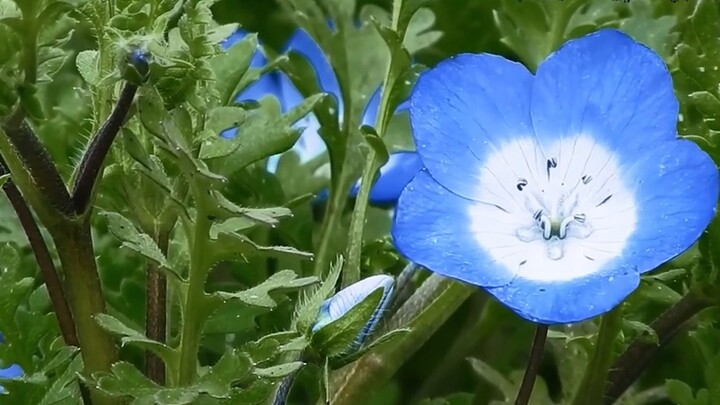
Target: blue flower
{"points": [[341, 303], [401, 167], [266, 85], [553, 191]]}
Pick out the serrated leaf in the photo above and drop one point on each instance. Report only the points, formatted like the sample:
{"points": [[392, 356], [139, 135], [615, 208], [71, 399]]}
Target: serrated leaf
{"points": [[308, 308], [219, 380], [263, 132], [135, 240], [259, 295], [233, 246], [230, 66], [133, 337], [225, 209]]}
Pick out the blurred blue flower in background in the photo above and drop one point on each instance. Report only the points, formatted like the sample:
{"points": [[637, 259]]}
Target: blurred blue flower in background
{"points": [[553, 191], [8, 373], [394, 175]]}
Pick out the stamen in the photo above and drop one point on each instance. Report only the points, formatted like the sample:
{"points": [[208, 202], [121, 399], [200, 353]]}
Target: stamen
{"points": [[537, 215], [546, 226], [586, 179], [580, 218], [563, 227]]}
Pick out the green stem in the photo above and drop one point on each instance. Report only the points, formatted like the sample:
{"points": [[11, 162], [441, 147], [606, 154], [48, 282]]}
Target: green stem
{"points": [[592, 385], [75, 248], [330, 226], [193, 308], [351, 274]]}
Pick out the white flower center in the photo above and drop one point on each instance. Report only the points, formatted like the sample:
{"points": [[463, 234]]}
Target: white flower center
{"points": [[552, 212]]}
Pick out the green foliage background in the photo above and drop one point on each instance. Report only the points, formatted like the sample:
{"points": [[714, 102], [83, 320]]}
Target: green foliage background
{"points": [[462, 348]]}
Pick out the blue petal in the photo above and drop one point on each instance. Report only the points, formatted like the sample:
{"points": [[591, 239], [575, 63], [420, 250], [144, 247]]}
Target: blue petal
{"points": [[432, 228], [303, 43], [11, 372], [676, 191], [569, 301], [607, 86], [394, 176], [372, 108], [464, 109]]}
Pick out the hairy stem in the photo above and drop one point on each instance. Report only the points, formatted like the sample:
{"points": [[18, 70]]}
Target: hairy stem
{"points": [[193, 307], [45, 263], [38, 163], [75, 248], [93, 161], [630, 365], [533, 367], [592, 386], [156, 311]]}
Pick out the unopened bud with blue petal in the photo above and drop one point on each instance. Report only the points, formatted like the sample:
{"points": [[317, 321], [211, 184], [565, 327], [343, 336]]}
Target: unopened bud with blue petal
{"points": [[347, 319], [135, 66]]}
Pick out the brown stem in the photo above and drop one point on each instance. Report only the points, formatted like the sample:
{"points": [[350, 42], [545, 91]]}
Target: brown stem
{"points": [[628, 367], [533, 367], [38, 162], [44, 260], [94, 159], [156, 312]]}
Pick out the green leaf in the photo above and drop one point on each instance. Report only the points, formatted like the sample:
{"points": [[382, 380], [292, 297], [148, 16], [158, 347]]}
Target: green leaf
{"points": [[534, 28], [133, 337], [335, 338], [127, 381], [493, 377], [225, 209], [279, 371], [86, 63], [681, 393], [135, 240], [231, 368], [647, 28], [230, 67], [308, 308], [642, 331], [233, 246], [697, 75], [259, 296], [261, 132]]}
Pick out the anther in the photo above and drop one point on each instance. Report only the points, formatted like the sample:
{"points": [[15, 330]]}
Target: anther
{"points": [[551, 163], [580, 218], [604, 201], [521, 183], [537, 215], [586, 179]]}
